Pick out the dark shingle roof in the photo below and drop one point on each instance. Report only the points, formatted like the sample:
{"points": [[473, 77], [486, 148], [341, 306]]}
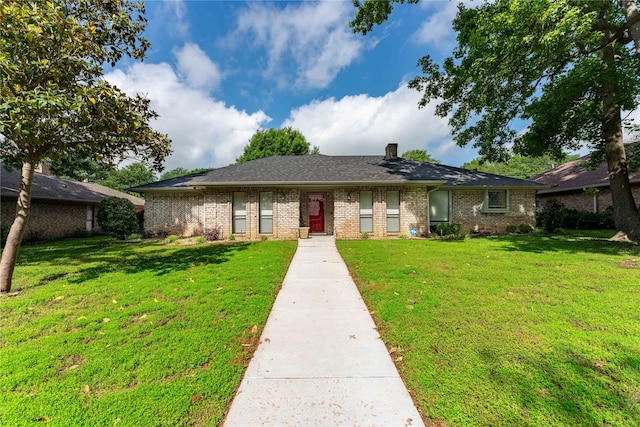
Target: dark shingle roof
{"points": [[52, 188], [320, 169], [574, 176]]}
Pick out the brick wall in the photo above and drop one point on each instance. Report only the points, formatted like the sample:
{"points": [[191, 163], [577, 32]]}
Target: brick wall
{"points": [[48, 220], [180, 213], [184, 214], [581, 201], [413, 211], [467, 210]]}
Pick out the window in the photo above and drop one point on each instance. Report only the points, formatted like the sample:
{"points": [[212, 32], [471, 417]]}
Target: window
{"points": [[239, 212], [366, 212], [496, 201], [393, 211], [439, 206], [266, 212], [89, 218]]}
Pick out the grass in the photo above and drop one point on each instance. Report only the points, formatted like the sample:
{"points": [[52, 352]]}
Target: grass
{"points": [[524, 331], [133, 334]]}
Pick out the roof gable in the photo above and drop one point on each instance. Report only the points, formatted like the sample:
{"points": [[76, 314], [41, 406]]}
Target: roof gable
{"points": [[52, 188]]}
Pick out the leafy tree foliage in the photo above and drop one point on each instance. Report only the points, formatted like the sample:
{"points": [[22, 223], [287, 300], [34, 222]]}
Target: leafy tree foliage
{"points": [[276, 142], [117, 217], [569, 67], [420, 155], [54, 99], [129, 176], [522, 167], [177, 172], [79, 167]]}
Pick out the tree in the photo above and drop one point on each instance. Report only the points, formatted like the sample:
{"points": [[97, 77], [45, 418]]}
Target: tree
{"points": [[79, 167], [276, 142], [54, 99], [117, 217], [568, 67], [420, 155], [129, 176], [174, 173], [522, 167]]}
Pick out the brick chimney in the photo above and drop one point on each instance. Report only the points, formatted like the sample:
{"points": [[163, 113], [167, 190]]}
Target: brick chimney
{"points": [[44, 168], [391, 151]]}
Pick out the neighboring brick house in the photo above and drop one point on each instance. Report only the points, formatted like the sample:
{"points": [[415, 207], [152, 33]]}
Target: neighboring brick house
{"points": [[342, 196], [59, 207], [581, 188]]}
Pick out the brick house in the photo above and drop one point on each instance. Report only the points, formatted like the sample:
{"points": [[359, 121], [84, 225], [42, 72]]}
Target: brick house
{"points": [[343, 196], [59, 207], [581, 188]]}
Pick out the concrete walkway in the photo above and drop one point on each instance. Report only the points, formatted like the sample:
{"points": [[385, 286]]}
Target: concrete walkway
{"points": [[320, 361]]}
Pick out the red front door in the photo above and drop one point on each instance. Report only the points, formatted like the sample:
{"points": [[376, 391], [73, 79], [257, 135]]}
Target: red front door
{"points": [[316, 213]]}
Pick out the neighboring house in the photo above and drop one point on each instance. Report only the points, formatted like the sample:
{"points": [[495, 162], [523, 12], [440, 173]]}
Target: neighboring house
{"points": [[342, 196], [59, 207], [581, 188]]}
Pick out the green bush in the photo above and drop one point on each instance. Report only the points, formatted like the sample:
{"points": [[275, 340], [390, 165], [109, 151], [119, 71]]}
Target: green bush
{"points": [[364, 235], [554, 215], [232, 237], [512, 228], [264, 237], [4, 232], [525, 228], [446, 229], [171, 239], [201, 239], [117, 217]]}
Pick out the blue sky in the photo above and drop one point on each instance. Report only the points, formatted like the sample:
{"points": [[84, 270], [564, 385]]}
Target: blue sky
{"points": [[218, 71]]}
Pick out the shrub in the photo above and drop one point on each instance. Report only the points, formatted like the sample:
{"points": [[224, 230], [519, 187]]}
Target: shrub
{"points": [[264, 238], [525, 228], [554, 215], [512, 228], [201, 239], [402, 236], [134, 236], [551, 216], [171, 239], [364, 235], [4, 232], [213, 233], [117, 217], [232, 237], [446, 229]]}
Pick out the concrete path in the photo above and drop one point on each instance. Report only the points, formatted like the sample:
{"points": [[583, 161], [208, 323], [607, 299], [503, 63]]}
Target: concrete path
{"points": [[320, 361]]}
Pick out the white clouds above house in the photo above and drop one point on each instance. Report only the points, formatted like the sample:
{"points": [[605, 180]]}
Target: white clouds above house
{"points": [[306, 44]]}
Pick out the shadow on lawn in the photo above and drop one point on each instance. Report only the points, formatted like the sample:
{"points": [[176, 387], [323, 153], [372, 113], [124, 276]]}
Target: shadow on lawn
{"points": [[568, 244], [108, 257], [569, 387]]}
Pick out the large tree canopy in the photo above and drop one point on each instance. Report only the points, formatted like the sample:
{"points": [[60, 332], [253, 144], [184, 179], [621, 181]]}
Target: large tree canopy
{"points": [[276, 142], [54, 99], [566, 67], [421, 155], [522, 167]]}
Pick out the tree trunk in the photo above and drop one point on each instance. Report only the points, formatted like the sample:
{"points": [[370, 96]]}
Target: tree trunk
{"points": [[630, 10], [625, 211], [19, 226]]}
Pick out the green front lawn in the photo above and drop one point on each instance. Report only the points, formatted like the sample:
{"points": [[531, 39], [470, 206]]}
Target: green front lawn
{"points": [[133, 334], [525, 331]]}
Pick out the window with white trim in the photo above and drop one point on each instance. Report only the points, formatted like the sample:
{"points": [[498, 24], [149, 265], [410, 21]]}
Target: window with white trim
{"points": [[439, 206], [266, 212], [239, 212], [496, 201], [393, 211], [366, 211], [90, 218]]}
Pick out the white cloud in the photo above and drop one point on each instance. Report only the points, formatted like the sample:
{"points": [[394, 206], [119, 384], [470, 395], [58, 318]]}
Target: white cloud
{"points": [[436, 31], [312, 38], [205, 132], [176, 19], [197, 68], [363, 124]]}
